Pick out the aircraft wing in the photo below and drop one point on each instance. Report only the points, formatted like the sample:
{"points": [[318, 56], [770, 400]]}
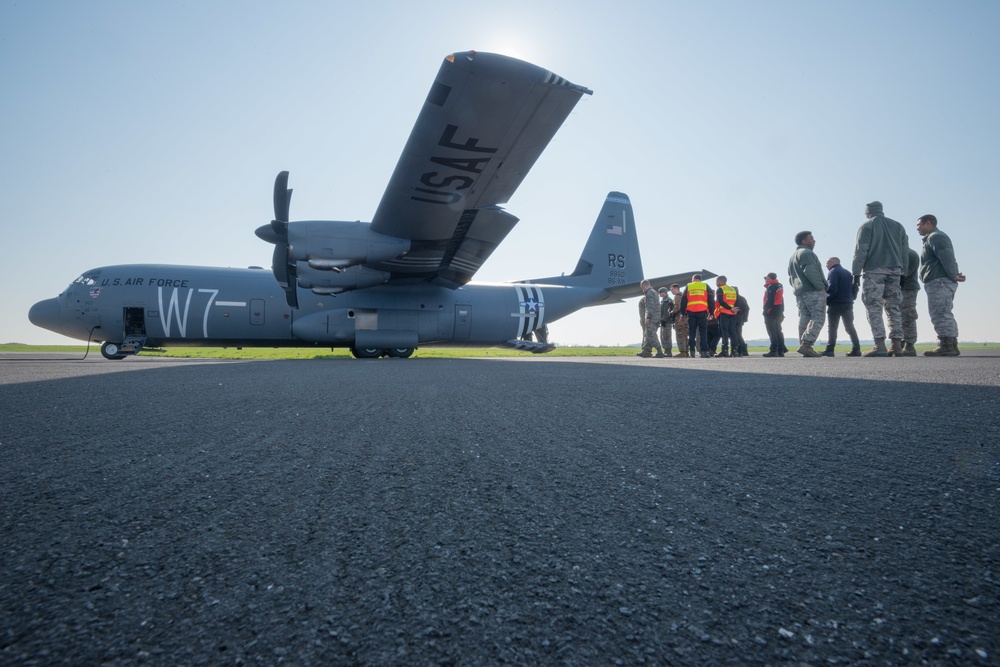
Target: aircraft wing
{"points": [[483, 125]]}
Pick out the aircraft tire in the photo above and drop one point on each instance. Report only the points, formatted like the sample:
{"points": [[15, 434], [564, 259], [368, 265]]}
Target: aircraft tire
{"points": [[367, 352], [399, 352], [109, 350]]}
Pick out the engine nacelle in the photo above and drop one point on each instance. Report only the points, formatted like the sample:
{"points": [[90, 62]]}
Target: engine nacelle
{"points": [[332, 245], [331, 282]]}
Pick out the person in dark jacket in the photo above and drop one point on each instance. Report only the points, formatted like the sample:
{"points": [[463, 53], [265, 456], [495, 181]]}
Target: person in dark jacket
{"points": [[744, 315], [666, 321], [774, 313], [840, 306]]}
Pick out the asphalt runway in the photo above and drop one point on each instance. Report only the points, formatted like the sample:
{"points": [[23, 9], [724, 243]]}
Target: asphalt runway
{"points": [[501, 511]]}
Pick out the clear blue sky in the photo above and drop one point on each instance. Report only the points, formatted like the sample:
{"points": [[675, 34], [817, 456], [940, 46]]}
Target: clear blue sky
{"points": [[152, 132]]}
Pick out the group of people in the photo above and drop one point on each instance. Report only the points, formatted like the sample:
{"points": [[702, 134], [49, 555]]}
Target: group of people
{"points": [[884, 270], [702, 319]]}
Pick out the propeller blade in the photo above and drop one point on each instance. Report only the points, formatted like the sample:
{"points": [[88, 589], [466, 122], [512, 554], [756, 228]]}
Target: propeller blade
{"points": [[282, 263], [291, 292], [285, 273], [282, 197], [279, 264]]}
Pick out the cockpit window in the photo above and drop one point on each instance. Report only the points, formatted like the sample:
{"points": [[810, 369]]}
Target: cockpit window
{"points": [[88, 279]]}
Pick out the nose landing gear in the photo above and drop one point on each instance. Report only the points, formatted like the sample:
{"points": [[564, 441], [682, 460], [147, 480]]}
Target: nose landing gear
{"points": [[110, 350], [131, 345]]}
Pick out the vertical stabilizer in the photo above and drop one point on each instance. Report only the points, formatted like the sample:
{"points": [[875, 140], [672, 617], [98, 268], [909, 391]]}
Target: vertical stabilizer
{"points": [[611, 257]]}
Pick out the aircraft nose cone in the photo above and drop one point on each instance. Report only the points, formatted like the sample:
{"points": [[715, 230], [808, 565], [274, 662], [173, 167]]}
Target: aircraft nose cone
{"points": [[46, 314]]}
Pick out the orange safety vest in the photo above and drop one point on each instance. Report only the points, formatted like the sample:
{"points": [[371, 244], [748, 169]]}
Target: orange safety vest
{"points": [[729, 297], [697, 298], [779, 293]]}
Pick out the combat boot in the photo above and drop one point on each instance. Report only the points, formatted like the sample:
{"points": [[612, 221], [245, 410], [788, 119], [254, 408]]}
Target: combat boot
{"points": [[683, 355], [806, 350], [908, 350], [940, 350], [877, 351], [896, 349], [948, 347], [828, 352], [855, 351]]}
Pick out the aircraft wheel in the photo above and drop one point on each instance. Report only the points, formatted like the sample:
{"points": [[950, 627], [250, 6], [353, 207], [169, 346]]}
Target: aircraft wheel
{"points": [[399, 352], [366, 352], [109, 350]]}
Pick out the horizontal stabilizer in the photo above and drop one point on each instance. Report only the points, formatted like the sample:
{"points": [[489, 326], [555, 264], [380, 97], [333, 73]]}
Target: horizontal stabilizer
{"points": [[682, 279]]}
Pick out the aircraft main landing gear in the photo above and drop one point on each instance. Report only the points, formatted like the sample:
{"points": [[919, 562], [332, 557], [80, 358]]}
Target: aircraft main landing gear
{"points": [[375, 352]]}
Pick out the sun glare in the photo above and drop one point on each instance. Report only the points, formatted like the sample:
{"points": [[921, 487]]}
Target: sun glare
{"points": [[516, 48]]}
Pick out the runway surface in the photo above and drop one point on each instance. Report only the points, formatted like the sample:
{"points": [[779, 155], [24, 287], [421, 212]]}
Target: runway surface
{"points": [[489, 511]]}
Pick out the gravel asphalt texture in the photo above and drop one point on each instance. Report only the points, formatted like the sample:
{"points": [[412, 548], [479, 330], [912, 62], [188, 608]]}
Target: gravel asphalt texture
{"points": [[525, 511]]}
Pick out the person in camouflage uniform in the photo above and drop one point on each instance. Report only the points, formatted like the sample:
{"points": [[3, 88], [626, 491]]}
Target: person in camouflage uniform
{"points": [[805, 275], [940, 274], [680, 321], [880, 255], [908, 309], [650, 315], [666, 326]]}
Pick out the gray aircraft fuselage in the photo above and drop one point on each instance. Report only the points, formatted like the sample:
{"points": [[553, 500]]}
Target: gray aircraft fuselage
{"points": [[205, 306]]}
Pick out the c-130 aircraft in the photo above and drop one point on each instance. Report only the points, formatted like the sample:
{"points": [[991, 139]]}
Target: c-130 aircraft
{"points": [[402, 281]]}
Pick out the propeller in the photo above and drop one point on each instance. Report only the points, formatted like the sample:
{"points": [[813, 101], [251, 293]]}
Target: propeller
{"points": [[282, 263]]}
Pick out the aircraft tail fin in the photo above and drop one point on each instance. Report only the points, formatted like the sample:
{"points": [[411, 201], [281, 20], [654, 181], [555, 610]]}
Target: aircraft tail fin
{"points": [[611, 259]]}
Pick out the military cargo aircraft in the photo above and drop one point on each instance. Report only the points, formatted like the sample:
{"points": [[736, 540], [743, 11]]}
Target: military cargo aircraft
{"points": [[402, 281]]}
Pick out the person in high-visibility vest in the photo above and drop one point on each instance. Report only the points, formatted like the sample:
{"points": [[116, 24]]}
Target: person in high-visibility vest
{"points": [[774, 314], [726, 312], [697, 302]]}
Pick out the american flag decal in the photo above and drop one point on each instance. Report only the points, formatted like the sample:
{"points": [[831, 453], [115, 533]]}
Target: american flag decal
{"points": [[94, 293]]}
